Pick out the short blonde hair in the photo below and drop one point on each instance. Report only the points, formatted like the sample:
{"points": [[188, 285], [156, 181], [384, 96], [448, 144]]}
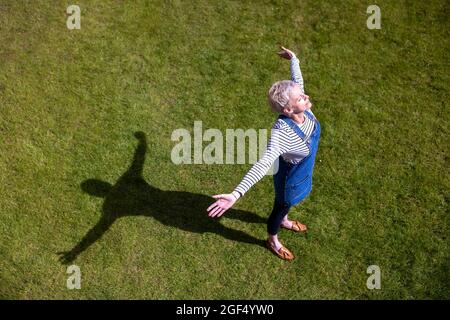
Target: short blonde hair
{"points": [[279, 94]]}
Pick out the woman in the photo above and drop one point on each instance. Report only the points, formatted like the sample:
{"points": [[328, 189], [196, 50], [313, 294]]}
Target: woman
{"points": [[294, 141]]}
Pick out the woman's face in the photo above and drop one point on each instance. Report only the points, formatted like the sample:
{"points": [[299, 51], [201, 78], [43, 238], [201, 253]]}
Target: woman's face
{"points": [[298, 102]]}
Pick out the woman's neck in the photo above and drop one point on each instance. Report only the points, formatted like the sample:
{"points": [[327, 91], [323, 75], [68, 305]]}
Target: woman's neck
{"points": [[298, 117]]}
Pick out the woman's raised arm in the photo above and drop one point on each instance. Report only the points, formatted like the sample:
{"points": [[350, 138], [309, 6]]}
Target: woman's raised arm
{"points": [[296, 73]]}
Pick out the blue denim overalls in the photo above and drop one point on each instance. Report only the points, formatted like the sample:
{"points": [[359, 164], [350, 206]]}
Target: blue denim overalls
{"points": [[293, 182]]}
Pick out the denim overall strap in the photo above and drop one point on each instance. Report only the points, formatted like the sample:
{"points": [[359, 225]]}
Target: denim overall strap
{"points": [[293, 126]]}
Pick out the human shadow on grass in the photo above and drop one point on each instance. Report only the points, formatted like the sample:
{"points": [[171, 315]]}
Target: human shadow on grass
{"points": [[133, 196]]}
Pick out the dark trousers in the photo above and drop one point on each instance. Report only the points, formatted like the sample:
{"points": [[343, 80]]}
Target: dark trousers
{"points": [[279, 211]]}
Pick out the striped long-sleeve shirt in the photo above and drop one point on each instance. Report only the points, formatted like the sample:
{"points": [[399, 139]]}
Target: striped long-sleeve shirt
{"points": [[283, 141]]}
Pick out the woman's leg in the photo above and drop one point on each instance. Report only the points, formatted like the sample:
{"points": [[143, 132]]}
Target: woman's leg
{"points": [[279, 211]]}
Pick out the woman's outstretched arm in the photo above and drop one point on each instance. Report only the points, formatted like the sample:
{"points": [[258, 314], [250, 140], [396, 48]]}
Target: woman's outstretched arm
{"points": [[277, 145]]}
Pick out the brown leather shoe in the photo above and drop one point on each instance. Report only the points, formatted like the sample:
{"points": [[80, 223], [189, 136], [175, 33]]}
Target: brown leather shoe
{"points": [[296, 226], [282, 253]]}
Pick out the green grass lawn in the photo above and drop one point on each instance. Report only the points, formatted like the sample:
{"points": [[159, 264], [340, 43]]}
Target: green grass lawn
{"points": [[71, 102]]}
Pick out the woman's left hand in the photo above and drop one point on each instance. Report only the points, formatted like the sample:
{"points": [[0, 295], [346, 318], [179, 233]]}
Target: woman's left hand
{"points": [[286, 53]]}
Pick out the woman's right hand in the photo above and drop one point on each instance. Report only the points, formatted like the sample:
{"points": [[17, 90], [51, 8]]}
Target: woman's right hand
{"points": [[224, 202]]}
